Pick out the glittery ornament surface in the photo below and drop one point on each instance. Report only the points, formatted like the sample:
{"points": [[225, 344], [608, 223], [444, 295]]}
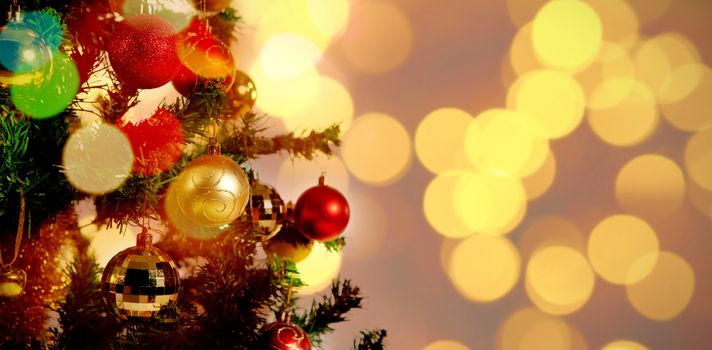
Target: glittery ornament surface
{"points": [[243, 94], [212, 190], [139, 282], [156, 142], [267, 209], [142, 51], [284, 336]]}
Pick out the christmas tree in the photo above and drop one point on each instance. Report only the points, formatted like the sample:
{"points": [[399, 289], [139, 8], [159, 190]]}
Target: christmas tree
{"points": [[222, 273]]}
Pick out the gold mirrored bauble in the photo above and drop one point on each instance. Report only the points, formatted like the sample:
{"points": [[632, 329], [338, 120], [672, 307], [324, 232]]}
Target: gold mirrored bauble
{"points": [[140, 281], [24, 57], [212, 190], [267, 209], [243, 94], [12, 282]]}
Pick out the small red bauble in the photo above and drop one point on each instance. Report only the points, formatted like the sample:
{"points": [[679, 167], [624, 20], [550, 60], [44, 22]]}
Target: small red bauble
{"points": [[142, 52], [284, 336], [321, 212], [156, 142]]}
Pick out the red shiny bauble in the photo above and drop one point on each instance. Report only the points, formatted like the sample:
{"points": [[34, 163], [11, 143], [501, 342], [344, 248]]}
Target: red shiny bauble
{"points": [[157, 142], [321, 212], [142, 52], [284, 336]]}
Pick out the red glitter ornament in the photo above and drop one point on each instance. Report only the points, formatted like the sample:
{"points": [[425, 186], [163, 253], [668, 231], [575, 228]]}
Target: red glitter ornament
{"points": [[321, 212], [142, 51], [157, 142], [284, 336]]}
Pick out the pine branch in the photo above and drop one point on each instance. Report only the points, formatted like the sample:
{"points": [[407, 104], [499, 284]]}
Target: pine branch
{"points": [[332, 309], [82, 316], [246, 140], [371, 340], [335, 245]]}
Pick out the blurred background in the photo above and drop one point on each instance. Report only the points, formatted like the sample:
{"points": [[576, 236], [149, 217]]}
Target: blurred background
{"points": [[523, 174]]}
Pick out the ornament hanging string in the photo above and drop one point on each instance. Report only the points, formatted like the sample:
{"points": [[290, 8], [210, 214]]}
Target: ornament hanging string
{"points": [[18, 237]]}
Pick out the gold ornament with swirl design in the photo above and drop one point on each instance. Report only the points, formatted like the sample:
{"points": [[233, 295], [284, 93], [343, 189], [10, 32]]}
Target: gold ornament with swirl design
{"points": [[212, 190]]}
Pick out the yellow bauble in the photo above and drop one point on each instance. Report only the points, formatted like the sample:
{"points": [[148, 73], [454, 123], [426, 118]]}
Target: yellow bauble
{"points": [[293, 251], [243, 94], [12, 282], [212, 190]]}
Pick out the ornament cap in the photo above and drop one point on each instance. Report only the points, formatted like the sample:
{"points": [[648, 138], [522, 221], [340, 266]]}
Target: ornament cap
{"points": [[321, 179], [144, 239], [213, 147]]}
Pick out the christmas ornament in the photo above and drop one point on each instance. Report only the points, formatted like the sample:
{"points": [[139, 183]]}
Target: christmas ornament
{"points": [[284, 336], [185, 81], [142, 51], [212, 190], [24, 56], [321, 212], [267, 209], [156, 142], [289, 243], [140, 281], [204, 55], [183, 224], [12, 282], [243, 94], [211, 5]]}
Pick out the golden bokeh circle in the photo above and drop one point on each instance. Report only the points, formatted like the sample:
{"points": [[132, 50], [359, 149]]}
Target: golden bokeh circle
{"points": [[538, 183], [651, 197], [531, 329], [624, 345], [630, 121], [550, 230], [617, 243], [333, 105], [664, 293], [552, 98], [377, 149], [559, 280], [698, 158], [484, 269], [446, 345], [618, 20], [567, 34], [691, 111], [440, 140], [319, 269], [439, 206]]}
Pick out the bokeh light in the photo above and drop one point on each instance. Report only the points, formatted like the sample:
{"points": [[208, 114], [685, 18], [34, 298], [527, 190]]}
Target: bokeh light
{"points": [[50, 95], [666, 291], [106, 241], [440, 140], [698, 158], [329, 16], [550, 230], [538, 183], [618, 243], [377, 149], [318, 269], [379, 37], [523, 11], [531, 329], [333, 105], [489, 204], [286, 56], [553, 98], [566, 34], [285, 97], [97, 158], [657, 61], [179, 13], [624, 345], [484, 269], [619, 21], [445, 345], [503, 142], [522, 57], [651, 197], [439, 205], [368, 227], [298, 174], [559, 279], [691, 112], [630, 121], [609, 79], [294, 17]]}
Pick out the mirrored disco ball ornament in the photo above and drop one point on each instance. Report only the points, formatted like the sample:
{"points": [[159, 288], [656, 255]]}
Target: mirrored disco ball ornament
{"points": [[140, 281], [267, 209]]}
